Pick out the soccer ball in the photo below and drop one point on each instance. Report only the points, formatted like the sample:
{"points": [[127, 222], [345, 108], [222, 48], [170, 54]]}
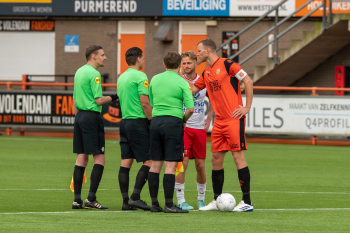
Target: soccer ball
{"points": [[225, 202]]}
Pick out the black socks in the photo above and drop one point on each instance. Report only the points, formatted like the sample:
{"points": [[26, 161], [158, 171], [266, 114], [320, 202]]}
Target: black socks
{"points": [[244, 181], [169, 184], [95, 179], [218, 182], [141, 180], [78, 176], [153, 184], [124, 183]]}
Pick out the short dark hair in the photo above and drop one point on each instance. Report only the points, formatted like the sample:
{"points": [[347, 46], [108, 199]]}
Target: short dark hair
{"points": [[208, 43], [172, 60], [91, 49], [132, 54]]}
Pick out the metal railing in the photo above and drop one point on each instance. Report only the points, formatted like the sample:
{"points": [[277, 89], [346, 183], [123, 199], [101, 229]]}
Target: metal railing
{"points": [[313, 90], [276, 60]]}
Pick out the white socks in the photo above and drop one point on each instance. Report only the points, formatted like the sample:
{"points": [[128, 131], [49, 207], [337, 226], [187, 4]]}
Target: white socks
{"points": [[180, 192], [201, 191]]}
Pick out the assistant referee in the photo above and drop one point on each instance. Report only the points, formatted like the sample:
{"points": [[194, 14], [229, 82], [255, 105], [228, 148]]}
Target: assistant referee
{"points": [[168, 91], [89, 136]]}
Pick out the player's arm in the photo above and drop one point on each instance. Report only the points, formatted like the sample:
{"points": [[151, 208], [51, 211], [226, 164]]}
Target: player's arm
{"points": [[209, 118], [188, 114], [243, 110], [146, 106], [106, 99], [75, 107]]}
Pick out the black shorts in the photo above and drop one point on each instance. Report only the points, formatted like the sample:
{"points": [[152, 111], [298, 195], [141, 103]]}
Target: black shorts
{"points": [[134, 139], [167, 141], [89, 133]]}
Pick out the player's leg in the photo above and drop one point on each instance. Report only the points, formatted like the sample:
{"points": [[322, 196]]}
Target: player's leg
{"points": [[180, 186], [140, 143], [123, 178], [127, 159], [78, 176], [173, 132], [237, 137], [153, 184], [219, 148], [199, 151], [180, 179], [82, 161], [94, 143], [157, 156], [201, 181], [244, 180]]}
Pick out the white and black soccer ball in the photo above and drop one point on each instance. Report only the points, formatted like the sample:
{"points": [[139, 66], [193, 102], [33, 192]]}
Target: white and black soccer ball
{"points": [[225, 202]]}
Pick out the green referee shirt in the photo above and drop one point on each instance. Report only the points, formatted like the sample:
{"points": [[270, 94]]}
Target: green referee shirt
{"points": [[168, 91], [130, 85], [87, 87]]}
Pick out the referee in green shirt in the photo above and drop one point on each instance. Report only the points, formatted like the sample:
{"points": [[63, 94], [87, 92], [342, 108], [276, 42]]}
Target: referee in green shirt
{"points": [[168, 92], [89, 136], [136, 109]]}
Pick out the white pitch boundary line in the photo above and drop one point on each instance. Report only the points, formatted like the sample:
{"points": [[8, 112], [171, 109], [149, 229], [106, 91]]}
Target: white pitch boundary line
{"points": [[290, 192], [208, 143], [106, 211]]}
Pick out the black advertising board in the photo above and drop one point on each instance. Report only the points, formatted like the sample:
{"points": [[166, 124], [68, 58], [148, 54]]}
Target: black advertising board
{"points": [[11, 25], [234, 44], [47, 109], [81, 8]]}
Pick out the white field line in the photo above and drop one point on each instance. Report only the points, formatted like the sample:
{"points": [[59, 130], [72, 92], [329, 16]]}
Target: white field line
{"points": [[106, 211], [267, 146], [288, 192]]}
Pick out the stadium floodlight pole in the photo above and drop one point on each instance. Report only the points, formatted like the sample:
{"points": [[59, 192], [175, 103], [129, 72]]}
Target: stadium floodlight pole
{"points": [[268, 31], [280, 35]]}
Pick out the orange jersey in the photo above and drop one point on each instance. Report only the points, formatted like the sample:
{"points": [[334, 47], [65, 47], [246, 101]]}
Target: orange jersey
{"points": [[222, 82]]}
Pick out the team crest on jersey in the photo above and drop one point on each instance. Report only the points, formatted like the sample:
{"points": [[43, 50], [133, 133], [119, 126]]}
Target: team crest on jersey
{"points": [[218, 71], [98, 80], [145, 83]]}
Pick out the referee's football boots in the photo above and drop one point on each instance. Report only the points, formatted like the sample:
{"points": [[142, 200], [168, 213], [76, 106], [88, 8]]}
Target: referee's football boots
{"points": [[94, 205], [77, 205], [174, 209], [127, 207], [139, 204]]}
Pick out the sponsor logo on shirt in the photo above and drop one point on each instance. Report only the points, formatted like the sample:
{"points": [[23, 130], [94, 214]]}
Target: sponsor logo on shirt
{"points": [[214, 86], [145, 83], [98, 80]]}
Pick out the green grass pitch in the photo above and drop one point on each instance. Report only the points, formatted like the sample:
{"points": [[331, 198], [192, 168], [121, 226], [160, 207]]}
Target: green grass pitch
{"points": [[294, 189]]}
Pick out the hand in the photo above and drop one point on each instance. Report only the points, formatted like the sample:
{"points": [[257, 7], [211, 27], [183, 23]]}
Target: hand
{"points": [[184, 125], [207, 124], [240, 112]]}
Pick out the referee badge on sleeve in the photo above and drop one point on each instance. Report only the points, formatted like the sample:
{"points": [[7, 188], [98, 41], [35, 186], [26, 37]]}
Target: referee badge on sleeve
{"points": [[190, 89], [98, 80], [145, 83]]}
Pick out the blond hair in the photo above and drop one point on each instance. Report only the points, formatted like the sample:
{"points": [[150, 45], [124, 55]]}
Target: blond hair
{"points": [[192, 55]]}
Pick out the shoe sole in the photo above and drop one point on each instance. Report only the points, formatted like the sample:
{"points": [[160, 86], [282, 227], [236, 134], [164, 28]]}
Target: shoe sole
{"points": [[93, 208]]}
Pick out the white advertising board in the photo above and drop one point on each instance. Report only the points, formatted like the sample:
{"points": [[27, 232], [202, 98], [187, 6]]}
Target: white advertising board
{"points": [[329, 115], [248, 8]]}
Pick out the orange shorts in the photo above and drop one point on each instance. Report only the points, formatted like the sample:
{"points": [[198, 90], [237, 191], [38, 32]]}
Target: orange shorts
{"points": [[228, 135]]}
